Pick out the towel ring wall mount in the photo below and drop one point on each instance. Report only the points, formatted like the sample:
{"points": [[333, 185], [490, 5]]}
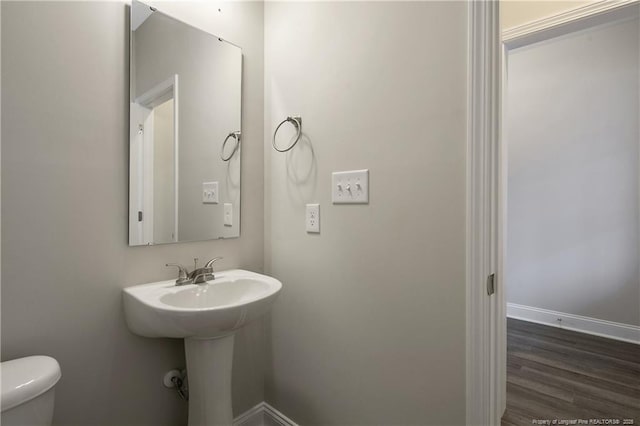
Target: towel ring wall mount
{"points": [[296, 120], [236, 137]]}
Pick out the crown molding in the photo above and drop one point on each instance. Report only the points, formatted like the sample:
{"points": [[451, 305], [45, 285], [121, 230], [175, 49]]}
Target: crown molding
{"points": [[592, 14]]}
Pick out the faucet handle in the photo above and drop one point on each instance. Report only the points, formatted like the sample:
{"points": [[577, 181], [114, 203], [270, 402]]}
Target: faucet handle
{"points": [[212, 261], [183, 275]]}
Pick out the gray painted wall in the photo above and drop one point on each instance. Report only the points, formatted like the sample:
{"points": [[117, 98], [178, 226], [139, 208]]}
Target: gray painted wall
{"points": [[573, 221], [64, 213], [370, 325]]}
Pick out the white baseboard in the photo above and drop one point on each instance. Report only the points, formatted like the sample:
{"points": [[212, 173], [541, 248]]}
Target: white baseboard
{"points": [[597, 327], [263, 414], [252, 417]]}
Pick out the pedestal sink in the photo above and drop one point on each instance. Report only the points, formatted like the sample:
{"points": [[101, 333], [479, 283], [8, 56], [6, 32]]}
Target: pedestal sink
{"points": [[206, 317]]}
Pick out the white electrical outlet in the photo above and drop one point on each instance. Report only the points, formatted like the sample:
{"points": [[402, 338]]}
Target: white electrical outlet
{"points": [[313, 218], [210, 192], [228, 214], [350, 187]]}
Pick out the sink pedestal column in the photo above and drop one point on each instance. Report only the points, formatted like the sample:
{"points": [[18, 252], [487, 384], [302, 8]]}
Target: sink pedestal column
{"points": [[209, 364]]}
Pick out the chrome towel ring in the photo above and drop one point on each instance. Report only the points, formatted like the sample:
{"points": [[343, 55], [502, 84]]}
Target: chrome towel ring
{"points": [[234, 135], [296, 120]]}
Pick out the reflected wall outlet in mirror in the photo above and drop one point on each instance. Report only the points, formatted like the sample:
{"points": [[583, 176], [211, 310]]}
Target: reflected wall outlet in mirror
{"points": [[228, 214], [210, 192]]}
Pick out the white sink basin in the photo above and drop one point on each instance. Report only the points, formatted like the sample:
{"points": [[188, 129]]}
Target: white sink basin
{"points": [[205, 316], [208, 310]]}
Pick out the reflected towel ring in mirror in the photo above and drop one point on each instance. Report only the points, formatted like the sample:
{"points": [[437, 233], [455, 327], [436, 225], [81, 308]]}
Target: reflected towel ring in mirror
{"points": [[234, 135], [296, 120]]}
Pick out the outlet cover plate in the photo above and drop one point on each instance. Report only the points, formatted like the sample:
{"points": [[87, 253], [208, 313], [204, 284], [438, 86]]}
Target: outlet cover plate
{"points": [[350, 187], [313, 218], [228, 214]]}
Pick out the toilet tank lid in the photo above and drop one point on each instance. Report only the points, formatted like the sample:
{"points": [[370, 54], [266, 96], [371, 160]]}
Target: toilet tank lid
{"points": [[26, 378]]}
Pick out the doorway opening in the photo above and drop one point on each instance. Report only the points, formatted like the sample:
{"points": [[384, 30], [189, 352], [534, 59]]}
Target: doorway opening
{"points": [[154, 165], [569, 229]]}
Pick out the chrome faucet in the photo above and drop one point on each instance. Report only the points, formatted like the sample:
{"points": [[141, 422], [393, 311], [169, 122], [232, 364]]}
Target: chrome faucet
{"points": [[198, 275], [202, 275], [183, 275]]}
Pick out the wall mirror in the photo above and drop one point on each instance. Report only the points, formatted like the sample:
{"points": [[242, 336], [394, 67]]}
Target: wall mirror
{"points": [[185, 132]]}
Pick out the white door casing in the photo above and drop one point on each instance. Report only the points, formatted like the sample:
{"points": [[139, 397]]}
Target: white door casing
{"points": [[141, 163], [485, 390]]}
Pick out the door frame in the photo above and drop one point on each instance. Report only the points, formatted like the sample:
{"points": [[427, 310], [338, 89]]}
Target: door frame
{"points": [[487, 186], [141, 159], [484, 393]]}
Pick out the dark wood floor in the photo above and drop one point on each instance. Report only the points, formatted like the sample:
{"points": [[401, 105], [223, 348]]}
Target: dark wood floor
{"points": [[559, 374]]}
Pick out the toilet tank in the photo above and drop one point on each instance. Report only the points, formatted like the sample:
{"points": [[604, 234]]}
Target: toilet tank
{"points": [[28, 390]]}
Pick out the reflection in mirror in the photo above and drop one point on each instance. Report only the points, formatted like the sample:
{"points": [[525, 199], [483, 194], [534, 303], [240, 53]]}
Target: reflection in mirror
{"points": [[185, 103]]}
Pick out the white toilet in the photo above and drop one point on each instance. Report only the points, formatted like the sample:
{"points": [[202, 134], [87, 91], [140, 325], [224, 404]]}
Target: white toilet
{"points": [[28, 390]]}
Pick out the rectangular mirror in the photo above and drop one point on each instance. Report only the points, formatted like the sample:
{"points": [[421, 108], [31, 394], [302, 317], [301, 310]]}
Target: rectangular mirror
{"points": [[185, 132]]}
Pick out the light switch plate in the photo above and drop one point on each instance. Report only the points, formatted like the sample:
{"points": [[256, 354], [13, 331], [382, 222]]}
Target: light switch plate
{"points": [[350, 187], [228, 214], [210, 192], [313, 218]]}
